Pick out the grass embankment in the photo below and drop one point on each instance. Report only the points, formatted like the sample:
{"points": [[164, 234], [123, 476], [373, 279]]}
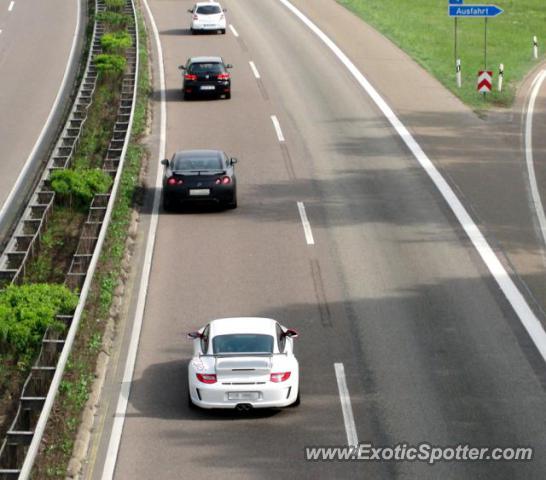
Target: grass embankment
{"points": [[424, 30], [75, 388], [47, 269]]}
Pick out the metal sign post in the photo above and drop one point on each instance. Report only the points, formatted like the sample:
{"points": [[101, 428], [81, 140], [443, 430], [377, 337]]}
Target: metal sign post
{"points": [[456, 9], [455, 43]]}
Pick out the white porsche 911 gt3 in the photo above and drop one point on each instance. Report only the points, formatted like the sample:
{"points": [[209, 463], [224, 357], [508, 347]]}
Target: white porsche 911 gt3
{"points": [[243, 363]]}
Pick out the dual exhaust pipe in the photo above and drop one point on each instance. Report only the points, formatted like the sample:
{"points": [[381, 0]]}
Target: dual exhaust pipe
{"points": [[243, 407]]}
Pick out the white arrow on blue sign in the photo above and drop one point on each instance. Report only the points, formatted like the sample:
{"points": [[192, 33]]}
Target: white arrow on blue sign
{"points": [[474, 10]]}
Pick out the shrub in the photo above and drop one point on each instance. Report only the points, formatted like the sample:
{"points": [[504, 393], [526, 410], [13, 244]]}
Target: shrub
{"points": [[108, 64], [116, 42], [79, 186], [26, 311], [115, 5], [114, 19]]}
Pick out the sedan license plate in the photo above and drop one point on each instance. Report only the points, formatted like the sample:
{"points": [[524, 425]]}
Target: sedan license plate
{"points": [[207, 87], [199, 192], [243, 395]]}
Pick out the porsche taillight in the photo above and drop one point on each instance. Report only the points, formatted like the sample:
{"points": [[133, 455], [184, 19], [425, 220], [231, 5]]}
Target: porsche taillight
{"points": [[206, 377], [280, 377]]}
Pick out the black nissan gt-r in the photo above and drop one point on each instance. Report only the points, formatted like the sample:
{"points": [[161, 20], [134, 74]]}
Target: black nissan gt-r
{"points": [[199, 176]]}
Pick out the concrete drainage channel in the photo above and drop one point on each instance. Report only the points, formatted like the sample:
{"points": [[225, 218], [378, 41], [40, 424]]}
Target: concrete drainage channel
{"points": [[20, 447]]}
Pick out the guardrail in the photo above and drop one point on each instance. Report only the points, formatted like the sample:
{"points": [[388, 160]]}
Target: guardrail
{"points": [[24, 242], [20, 448], [23, 188]]}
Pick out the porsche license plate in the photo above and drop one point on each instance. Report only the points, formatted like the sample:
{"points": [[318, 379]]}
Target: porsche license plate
{"points": [[199, 192], [243, 395]]}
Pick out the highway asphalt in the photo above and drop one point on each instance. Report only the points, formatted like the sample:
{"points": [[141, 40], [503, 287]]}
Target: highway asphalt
{"points": [[391, 288], [35, 43]]}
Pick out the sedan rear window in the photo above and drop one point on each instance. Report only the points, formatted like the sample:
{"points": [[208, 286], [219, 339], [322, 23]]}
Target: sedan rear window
{"points": [[198, 68], [197, 163], [208, 10], [243, 343]]}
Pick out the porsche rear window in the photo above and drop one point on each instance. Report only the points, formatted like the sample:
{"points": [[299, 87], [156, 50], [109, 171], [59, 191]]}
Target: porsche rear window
{"points": [[242, 343], [208, 10]]}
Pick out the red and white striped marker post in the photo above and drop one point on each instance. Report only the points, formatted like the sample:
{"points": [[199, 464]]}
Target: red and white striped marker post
{"points": [[485, 80]]}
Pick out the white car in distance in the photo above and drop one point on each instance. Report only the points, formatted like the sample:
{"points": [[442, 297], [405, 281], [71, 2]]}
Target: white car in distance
{"points": [[207, 16], [243, 363]]}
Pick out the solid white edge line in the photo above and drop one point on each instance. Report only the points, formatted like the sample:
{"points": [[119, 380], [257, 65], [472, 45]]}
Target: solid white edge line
{"points": [[346, 408], [254, 69], [306, 225], [232, 28], [537, 202], [528, 319], [121, 408], [277, 127], [23, 176], [10, 8]]}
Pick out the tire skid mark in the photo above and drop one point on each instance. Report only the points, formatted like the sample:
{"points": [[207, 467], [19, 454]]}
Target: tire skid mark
{"points": [[320, 294]]}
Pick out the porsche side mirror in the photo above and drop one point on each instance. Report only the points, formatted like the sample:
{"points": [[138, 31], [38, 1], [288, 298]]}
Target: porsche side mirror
{"points": [[165, 162], [290, 332], [194, 335], [233, 161]]}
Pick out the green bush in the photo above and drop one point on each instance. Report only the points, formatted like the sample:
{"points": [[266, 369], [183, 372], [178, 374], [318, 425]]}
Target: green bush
{"points": [[115, 5], [26, 311], [114, 19], [108, 64], [116, 42], [79, 186]]}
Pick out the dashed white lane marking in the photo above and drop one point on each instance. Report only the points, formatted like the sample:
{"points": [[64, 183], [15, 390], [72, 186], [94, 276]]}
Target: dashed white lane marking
{"points": [[346, 408], [254, 69], [528, 319], [277, 127], [232, 28], [306, 225], [537, 201], [11, 4], [123, 399]]}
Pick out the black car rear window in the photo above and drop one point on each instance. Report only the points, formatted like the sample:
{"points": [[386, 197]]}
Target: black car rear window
{"points": [[242, 343], [208, 9], [206, 68], [211, 162]]}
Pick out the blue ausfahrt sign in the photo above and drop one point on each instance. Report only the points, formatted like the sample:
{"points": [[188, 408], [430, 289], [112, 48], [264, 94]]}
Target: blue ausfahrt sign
{"points": [[474, 11]]}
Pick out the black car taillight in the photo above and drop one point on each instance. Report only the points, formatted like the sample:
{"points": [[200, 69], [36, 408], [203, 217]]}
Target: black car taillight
{"points": [[223, 76], [223, 181], [175, 181]]}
